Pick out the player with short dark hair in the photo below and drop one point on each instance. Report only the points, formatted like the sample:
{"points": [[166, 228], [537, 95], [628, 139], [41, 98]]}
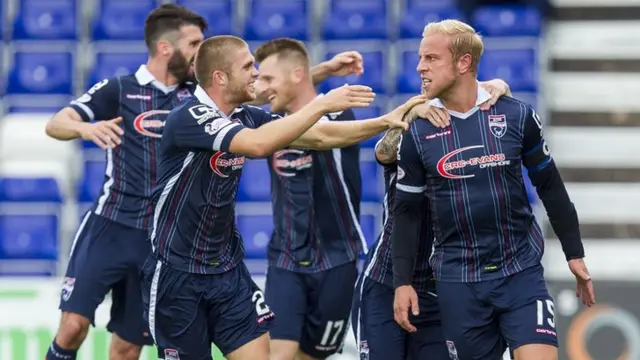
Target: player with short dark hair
{"points": [[111, 243], [315, 192], [488, 248], [377, 335], [199, 290]]}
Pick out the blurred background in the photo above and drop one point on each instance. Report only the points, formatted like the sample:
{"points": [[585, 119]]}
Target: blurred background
{"points": [[576, 61]]}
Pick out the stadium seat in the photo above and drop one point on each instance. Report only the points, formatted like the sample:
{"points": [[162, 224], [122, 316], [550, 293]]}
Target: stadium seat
{"points": [[407, 79], [109, 64], [510, 20], [517, 67], [29, 218], [218, 13], [277, 18], [369, 226], [417, 13], [46, 20], [28, 236], [256, 232], [92, 181], [39, 104], [35, 72], [121, 19], [372, 183], [355, 19], [375, 65], [20, 189], [255, 183]]}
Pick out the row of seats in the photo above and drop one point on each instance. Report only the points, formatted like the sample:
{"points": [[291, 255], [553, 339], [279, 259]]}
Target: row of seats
{"points": [[341, 19], [389, 67]]}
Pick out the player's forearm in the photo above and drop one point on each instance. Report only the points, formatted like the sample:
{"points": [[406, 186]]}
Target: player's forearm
{"points": [[65, 125], [338, 134], [279, 134], [387, 147], [561, 211], [405, 241], [319, 73]]}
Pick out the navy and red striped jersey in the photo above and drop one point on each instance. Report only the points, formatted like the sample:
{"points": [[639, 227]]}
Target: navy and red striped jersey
{"points": [[472, 174], [194, 228], [315, 197], [130, 174], [378, 265]]}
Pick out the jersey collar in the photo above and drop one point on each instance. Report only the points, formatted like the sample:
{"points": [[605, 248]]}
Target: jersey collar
{"points": [[482, 97], [144, 77]]}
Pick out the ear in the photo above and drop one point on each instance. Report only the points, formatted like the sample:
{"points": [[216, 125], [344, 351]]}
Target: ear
{"points": [[464, 63], [297, 74], [220, 78], [164, 48]]}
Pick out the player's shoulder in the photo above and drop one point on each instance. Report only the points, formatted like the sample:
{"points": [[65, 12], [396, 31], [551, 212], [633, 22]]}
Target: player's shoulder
{"points": [[512, 106]]}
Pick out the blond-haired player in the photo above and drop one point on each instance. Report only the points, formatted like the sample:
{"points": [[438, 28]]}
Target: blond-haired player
{"points": [[488, 246]]}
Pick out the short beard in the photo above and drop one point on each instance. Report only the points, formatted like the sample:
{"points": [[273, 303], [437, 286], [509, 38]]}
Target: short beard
{"points": [[179, 67]]}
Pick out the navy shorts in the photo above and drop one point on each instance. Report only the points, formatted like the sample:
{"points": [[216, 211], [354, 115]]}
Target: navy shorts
{"points": [[311, 308], [479, 319], [108, 256], [379, 337], [188, 312]]}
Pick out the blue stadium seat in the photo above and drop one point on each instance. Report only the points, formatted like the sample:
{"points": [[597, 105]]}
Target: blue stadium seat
{"points": [[375, 65], [92, 181], [355, 19], [218, 13], [372, 180], [121, 19], [369, 225], [277, 18], [417, 13], [46, 20], [110, 63], [41, 73], [407, 79], [517, 67], [256, 231], [29, 190], [508, 20], [28, 235], [36, 103], [255, 183]]}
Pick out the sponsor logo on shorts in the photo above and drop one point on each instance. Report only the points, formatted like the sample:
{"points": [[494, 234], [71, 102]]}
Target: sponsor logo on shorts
{"points": [[453, 353], [364, 350], [67, 287], [546, 332], [171, 354]]}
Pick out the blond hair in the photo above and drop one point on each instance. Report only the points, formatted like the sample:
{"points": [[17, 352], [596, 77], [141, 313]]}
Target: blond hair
{"points": [[213, 55], [465, 40]]}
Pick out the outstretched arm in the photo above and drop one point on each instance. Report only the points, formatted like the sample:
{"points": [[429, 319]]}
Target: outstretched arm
{"points": [[338, 134]]}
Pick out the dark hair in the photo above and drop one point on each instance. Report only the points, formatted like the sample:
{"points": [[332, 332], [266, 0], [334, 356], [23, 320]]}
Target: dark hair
{"points": [[167, 18], [284, 48]]}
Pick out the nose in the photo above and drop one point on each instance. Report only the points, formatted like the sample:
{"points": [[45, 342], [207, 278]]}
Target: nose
{"points": [[421, 66]]}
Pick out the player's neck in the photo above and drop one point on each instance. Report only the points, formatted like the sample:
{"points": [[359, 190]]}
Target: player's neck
{"points": [[159, 71], [304, 95], [222, 100], [462, 96]]}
